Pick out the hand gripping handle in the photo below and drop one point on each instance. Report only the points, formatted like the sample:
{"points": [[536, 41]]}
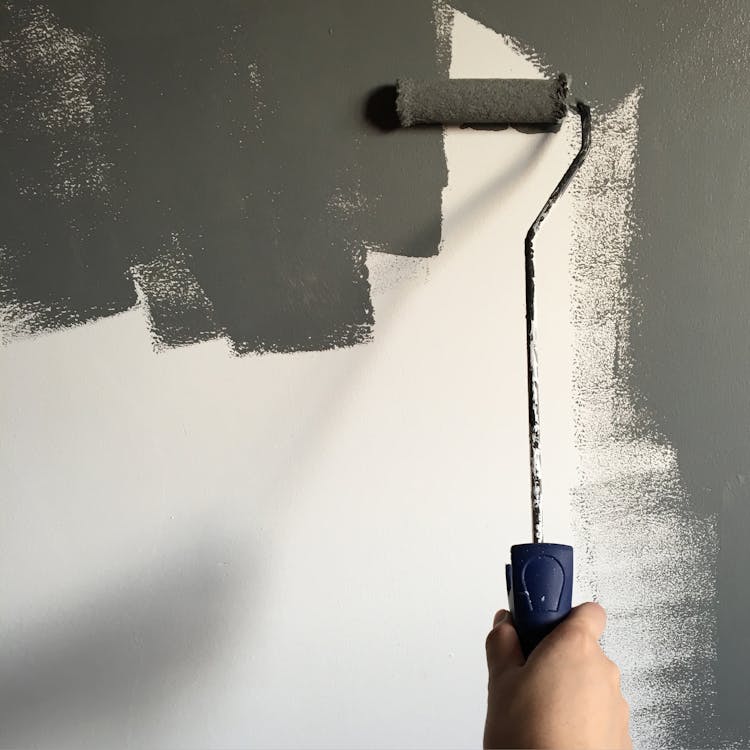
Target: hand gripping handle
{"points": [[540, 589]]}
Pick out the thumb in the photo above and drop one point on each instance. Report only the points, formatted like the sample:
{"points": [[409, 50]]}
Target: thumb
{"points": [[589, 617], [502, 645], [586, 621]]}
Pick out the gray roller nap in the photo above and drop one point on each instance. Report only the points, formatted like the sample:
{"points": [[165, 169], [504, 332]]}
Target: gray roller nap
{"points": [[482, 101]]}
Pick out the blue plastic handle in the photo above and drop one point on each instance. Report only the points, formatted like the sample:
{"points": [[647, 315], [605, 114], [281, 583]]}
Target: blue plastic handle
{"points": [[540, 589]]}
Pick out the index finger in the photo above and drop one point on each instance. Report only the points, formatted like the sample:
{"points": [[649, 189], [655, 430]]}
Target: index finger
{"points": [[589, 616], [581, 628]]}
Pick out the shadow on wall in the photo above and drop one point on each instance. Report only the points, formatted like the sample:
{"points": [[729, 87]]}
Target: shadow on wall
{"points": [[103, 670]]}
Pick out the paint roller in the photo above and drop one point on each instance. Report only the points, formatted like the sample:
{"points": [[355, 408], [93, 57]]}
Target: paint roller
{"points": [[539, 578]]}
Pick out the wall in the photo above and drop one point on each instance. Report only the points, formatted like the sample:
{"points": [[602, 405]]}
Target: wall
{"points": [[263, 396]]}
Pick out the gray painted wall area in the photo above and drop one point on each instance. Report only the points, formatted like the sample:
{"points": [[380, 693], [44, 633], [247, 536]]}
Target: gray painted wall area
{"points": [[185, 150], [216, 163]]}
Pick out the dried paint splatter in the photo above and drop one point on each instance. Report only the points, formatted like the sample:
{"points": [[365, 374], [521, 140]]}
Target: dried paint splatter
{"points": [[645, 555]]}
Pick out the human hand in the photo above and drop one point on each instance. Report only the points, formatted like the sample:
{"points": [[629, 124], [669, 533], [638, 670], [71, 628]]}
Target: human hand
{"points": [[567, 694]]}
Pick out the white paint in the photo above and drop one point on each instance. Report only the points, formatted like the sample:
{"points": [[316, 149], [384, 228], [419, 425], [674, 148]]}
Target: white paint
{"points": [[335, 523], [649, 560]]}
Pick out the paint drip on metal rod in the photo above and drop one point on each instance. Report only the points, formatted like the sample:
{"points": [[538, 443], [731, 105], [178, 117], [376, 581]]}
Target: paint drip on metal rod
{"points": [[535, 457]]}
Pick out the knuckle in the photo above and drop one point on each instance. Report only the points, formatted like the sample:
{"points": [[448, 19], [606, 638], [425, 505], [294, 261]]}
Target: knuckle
{"points": [[577, 639], [594, 615]]}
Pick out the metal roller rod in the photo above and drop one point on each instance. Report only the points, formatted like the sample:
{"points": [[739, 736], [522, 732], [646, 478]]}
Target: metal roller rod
{"points": [[531, 355]]}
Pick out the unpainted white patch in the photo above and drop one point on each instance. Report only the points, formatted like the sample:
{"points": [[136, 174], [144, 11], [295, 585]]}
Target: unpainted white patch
{"points": [[394, 272]]}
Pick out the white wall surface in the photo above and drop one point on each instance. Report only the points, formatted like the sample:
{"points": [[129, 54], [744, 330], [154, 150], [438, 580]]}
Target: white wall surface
{"points": [[203, 550]]}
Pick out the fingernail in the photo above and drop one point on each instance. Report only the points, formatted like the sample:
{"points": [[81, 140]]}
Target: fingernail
{"points": [[501, 616]]}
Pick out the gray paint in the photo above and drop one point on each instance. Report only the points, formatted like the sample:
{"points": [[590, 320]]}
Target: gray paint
{"points": [[460, 101], [241, 167], [250, 224], [734, 562], [691, 263]]}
